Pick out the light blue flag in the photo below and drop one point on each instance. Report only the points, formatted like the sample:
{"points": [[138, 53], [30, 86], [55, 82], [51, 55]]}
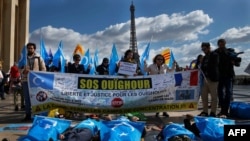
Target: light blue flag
{"points": [[50, 57], [121, 130], [41, 79], [60, 44], [114, 53], [50, 54], [175, 129], [212, 129], [113, 60], [93, 68], [62, 61], [57, 55], [23, 58], [43, 52], [96, 59], [171, 61], [45, 129], [144, 56], [86, 60], [89, 124]]}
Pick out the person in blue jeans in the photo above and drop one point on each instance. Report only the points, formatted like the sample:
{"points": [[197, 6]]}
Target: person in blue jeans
{"points": [[226, 71], [34, 63]]}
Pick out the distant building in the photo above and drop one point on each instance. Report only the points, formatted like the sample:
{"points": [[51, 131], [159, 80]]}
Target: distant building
{"points": [[242, 80], [133, 40], [14, 30]]}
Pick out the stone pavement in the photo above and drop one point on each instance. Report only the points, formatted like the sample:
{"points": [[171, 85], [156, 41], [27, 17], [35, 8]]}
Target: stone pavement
{"points": [[9, 116]]}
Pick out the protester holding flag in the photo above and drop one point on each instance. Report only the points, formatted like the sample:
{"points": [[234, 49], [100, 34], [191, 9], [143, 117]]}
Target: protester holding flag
{"points": [[76, 67], [103, 69], [210, 70], [159, 67], [35, 63], [129, 57]]}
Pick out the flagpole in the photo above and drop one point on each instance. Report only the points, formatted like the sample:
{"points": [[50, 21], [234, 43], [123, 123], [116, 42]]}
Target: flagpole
{"points": [[40, 41], [202, 74]]}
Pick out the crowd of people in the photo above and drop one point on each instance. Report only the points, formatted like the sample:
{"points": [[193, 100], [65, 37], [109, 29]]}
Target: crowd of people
{"points": [[217, 71], [216, 67]]}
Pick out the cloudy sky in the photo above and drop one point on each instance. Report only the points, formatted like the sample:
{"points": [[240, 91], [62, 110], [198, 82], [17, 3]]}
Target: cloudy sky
{"points": [[180, 25]]}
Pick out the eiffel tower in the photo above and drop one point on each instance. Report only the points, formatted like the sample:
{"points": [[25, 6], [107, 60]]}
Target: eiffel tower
{"points": [[133, 41]]}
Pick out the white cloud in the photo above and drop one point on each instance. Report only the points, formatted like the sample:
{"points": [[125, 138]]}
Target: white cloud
{"points": [[238, 38], [177, 27], [237, 35], [179, 31]]}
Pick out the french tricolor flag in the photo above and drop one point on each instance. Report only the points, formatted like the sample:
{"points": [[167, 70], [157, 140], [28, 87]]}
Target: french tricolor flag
{"points": [[193, 80]]}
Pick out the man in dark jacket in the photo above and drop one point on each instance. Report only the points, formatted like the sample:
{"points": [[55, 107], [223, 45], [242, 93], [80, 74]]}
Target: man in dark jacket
{"points": [[103, 69], [226, 70], [210, 70]]}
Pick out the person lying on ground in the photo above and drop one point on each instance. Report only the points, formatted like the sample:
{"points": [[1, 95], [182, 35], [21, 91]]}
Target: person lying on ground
{"points": [[86, 130], [175, 132], [191, 125]]}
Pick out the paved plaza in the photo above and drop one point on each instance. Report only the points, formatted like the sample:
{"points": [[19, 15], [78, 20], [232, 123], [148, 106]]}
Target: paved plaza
{"points": [[9, 116]]}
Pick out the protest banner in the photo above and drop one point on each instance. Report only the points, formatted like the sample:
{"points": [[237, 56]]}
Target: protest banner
{"points": [[177, 91]]}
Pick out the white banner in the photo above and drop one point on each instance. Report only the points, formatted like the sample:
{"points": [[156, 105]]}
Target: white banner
{"points": [[127, 68], [114, 94]]}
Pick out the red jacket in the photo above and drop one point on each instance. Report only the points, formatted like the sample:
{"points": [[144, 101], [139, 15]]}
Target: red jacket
{"points": [[14, 72]]}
